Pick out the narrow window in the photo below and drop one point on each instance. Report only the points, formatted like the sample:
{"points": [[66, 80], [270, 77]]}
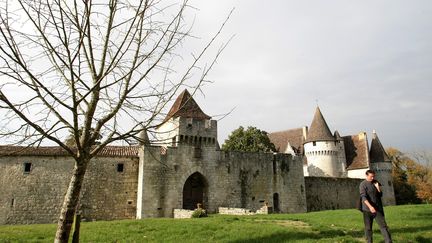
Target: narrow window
{"points": [[274, 165], [120, 167], [314, 143], [12, 202], [197, 152], [27, 167]]}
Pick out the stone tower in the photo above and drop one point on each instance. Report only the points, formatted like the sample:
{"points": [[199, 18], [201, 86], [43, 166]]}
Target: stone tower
{"points": [[381, 164], [322, 149], [186, 123]]}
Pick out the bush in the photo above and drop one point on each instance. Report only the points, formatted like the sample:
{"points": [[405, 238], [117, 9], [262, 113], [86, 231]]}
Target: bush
{"points": [[199, 213]]}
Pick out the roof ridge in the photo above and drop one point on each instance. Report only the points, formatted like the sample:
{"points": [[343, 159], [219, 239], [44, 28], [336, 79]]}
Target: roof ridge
{"points": [[287, 130], [111, 150]]}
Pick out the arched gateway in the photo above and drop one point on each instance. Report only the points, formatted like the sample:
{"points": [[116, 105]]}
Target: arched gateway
{"points": [[195, 191]]}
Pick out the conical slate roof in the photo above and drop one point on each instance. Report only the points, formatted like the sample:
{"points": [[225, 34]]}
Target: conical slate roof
{"points": [[377, 152], [185, 106], [319, 130]]}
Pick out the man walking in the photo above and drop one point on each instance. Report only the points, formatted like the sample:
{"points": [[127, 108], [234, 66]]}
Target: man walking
{"points": [[370, 193]]}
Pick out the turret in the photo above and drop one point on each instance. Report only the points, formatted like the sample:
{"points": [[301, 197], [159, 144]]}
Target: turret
{"points": [[187, 124], [322, 149], [143, 138], [382, 165]]}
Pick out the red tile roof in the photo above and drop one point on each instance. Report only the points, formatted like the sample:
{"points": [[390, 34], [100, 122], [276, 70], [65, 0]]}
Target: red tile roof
{"points": [[293, 136], [356, 151], [185, 106], [108, 151]]}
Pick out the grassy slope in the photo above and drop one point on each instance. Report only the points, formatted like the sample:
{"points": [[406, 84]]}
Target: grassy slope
{"points": [[407, 224]]}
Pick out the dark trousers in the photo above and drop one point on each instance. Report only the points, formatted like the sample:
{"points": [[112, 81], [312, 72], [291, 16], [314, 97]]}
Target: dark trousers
{"points": [[379, 217]]}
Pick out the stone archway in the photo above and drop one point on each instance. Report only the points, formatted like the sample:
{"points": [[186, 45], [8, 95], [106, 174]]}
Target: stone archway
{"points": [[195, 191]]}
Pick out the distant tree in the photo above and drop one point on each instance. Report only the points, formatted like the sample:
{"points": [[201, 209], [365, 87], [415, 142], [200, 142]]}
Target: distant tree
{"points": [[250, 140], [421, 174], [411, 180], [95, 68]]}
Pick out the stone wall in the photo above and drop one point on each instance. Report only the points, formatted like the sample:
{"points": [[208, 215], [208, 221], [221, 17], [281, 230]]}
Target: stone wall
{"points": [[36, 196], [183, 213], [233, 179], [235, 211], [324, 193]]}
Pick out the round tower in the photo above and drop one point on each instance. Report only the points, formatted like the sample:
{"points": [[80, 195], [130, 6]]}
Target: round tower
{"points": [[321, 149], [382, 165]]}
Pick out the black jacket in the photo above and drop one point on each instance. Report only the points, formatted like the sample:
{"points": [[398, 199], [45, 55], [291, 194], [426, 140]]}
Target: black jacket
{"points": [[369, 192]]}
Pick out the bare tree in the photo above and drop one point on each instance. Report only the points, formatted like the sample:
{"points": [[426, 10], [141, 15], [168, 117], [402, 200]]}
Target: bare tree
{"points": [[97, 68], [422, 156]]}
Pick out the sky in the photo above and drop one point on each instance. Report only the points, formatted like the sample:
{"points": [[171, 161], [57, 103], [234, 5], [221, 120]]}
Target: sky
{"points": [[367, 64]]}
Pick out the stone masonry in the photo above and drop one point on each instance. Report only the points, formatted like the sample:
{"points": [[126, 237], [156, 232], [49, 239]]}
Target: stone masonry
{"points": [[36, 196], [170, 176]]}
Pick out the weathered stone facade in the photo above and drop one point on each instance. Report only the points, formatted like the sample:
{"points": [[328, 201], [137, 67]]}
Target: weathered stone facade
{"points": [[36, 196], [182, 168], [230, 179], [326, 193]]}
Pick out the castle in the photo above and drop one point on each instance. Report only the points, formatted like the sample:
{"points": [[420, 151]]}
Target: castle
{"points": [[314, 171], [330, 155]]}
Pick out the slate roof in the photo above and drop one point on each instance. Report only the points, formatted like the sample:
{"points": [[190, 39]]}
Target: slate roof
{"points": [[319, 130], [377, 152], [185, 106], [293, 136], [356, 151], [109, 151]]}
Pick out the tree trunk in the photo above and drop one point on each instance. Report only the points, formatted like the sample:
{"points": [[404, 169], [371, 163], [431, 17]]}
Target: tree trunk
{"points": [[75, 237], [70, 203]]}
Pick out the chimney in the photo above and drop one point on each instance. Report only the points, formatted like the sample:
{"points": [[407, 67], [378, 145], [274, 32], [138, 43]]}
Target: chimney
{"points": [[305, 131]]}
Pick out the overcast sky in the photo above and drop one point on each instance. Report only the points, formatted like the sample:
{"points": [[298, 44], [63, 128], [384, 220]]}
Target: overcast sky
{"points": [[368, 64]]}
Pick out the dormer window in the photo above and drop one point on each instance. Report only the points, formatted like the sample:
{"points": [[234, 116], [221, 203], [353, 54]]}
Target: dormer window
{"points": [[207, 124], [189, 122]]}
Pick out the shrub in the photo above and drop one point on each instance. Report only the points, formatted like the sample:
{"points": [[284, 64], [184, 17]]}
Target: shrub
{"points": [[199, 213]]}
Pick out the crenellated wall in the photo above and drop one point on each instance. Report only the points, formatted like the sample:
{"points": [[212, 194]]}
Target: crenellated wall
{"points": [[323, 158], [232, 179]]}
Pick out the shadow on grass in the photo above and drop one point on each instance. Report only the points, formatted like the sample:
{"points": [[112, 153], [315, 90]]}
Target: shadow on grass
{"points": [[316, 235], [410, 229], [421, 239]]}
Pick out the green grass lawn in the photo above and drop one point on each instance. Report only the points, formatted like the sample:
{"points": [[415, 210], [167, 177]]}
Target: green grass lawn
{"points": [[411, 223]]}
